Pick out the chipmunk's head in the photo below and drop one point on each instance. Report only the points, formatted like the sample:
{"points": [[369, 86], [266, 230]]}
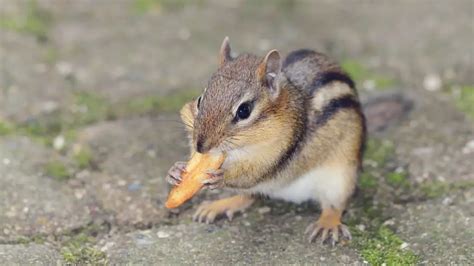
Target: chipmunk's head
{"points": [[239, 104]]}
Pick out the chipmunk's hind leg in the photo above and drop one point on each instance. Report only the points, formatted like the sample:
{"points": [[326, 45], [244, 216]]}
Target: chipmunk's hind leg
{"points": [[335, 186], [329, 228], [209, 211]]}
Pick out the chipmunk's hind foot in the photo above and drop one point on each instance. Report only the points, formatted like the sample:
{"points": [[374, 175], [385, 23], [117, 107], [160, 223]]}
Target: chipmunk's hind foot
{"points": [[328, 228], [208, 211]]}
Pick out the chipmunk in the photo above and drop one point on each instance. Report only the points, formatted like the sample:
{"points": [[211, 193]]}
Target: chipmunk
{"points": [[291, 129]]}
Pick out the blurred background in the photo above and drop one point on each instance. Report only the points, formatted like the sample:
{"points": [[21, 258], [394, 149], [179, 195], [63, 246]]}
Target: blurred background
{"points": [[89, 99]]}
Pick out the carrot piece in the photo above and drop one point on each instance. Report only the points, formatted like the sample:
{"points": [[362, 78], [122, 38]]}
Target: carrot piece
{"points": [[193, 177]]}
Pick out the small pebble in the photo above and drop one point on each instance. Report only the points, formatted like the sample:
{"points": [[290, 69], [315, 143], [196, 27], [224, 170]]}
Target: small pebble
{"points": [[151, 153], [247, 223], [389, 222], [59, 142], [447, 201], [404, 245], [469, 147], [49, 106], [134, 186], [360, 227], [369, 84], [6, 161], [432, 82], [162, 234], [64, 68], [79, 193], [264, 210], [184, 34], [107, 246], [345, 258]]}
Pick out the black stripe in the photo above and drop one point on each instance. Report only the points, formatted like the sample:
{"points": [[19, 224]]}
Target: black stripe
{"points": [[296, 143], [296, 56], [344, 102], [324, 78]]}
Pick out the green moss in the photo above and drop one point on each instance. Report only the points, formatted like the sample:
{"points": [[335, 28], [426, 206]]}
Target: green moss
{"points": [[5, 128], [79, 251], [37, 239], [35, 21], [397, 179], [384, 246], [50, 55], [145, 6], [83, 158], [367, 181], [57, 170], [436, 189], [90, 109], [378, 244], [360, 74], [156, 104], [465, 100], [379, 152]]}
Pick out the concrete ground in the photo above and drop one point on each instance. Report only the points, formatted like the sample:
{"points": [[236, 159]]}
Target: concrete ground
{"points": [[89, 95]]}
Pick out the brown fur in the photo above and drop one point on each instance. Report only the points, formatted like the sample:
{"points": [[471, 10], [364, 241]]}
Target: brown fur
{"points": [[306, 123], [289, 119]]}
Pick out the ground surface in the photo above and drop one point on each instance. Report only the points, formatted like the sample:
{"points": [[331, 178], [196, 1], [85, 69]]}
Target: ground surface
{"points": [[89, 93]]}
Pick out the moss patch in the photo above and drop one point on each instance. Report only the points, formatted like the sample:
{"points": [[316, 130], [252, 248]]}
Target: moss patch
{"points": [[367, 181], [377, 243], [361, 74], [78, 247], [58, 170], [89, 108], [465, 100], [79, 250], [156, 104], [5, 128], [384, 247], [145, 6], [86, 108], [436, 189], [35, 21], [378, 152], [397, 179], [83, 158]]}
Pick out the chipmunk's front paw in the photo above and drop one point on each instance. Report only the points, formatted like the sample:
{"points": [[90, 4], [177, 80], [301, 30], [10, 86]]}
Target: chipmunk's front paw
{"points": [[328, 228], [215, 179], [209, 211], [174, 175]]}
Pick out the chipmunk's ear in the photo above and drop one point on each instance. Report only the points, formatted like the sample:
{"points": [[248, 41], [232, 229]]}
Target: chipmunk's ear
{"points": [[224, 53], [268, 70]]}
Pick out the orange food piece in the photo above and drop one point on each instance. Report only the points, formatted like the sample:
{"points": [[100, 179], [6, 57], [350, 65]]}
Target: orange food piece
{"points": [[193, 178]]}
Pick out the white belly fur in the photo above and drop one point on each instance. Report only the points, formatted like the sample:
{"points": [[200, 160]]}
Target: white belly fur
{"points": [[328, 185]]}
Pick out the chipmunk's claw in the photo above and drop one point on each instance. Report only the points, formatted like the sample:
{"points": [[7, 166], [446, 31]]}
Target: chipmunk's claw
{"points": [[215, 179], [175, 173], [208, 211], [205, 213], [328, 235]]}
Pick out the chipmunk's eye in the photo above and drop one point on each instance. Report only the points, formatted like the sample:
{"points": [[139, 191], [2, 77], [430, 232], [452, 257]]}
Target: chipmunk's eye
{"points": [[199, 102], [244, 110]]}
